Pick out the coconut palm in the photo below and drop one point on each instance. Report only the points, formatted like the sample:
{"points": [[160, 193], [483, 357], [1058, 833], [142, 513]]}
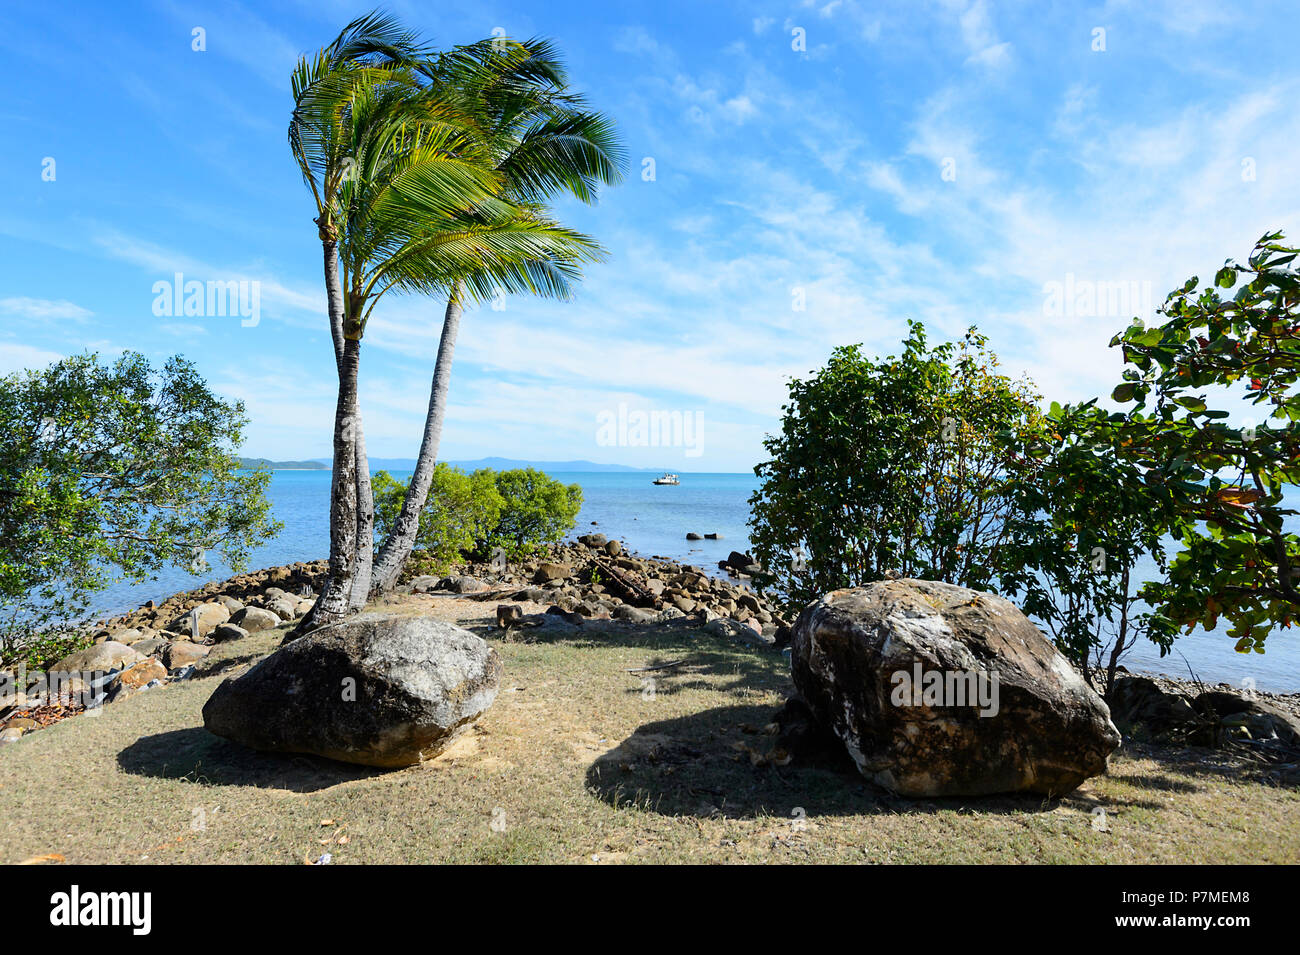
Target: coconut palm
{"points": [[408, 199], [543, 140]]}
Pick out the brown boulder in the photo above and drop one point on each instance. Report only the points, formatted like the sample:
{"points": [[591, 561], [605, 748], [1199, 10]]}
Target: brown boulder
{"points": [[937, 690]]}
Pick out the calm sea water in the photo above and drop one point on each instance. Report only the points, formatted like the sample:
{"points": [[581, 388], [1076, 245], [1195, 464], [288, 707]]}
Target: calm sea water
{"points": [[653, 521]]}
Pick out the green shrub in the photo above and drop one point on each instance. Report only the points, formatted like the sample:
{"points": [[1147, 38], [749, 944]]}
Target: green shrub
{"points": [[471, 514], [461, 511], [906, 464], [536, 510]]}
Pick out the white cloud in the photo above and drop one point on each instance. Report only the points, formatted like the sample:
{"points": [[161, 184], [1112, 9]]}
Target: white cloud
{"points": [[16, 357], [43, 309]]}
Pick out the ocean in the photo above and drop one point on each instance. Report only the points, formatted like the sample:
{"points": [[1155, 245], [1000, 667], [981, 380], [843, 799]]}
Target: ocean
{"points": [[654, 521]]}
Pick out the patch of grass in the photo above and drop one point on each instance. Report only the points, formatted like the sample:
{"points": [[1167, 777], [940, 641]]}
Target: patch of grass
{"points": [[580, 761]]}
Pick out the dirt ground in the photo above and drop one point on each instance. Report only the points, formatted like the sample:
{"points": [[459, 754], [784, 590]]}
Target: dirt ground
{"points": [[580, 761]]}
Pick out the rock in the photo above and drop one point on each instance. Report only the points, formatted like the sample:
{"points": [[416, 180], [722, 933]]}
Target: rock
{"points": [[156, 645], [227, 632], [102, 657], [737, 560], [1140, 705], [255, 619], [230, 603], [549, 572], [183, 654], [594, 541], [634, 614], [655, 586], [613, 548], [509, 615], [423, 584], [740, 632], [937, 690], [713, 537], [462, 584], [692, 536], [141, 674], [11, 734], [200, 621], [684, 604], [283, 607], [378, 690], [129, 637]]}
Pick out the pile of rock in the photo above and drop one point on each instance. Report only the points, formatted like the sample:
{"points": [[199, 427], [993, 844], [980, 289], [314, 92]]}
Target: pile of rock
{"points": [[1170, 711], [282, 590], [594, 579], [158, 644]]}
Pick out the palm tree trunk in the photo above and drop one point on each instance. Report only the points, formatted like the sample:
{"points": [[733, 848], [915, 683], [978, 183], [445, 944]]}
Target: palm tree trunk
{"points": [[335, 600], [401, 539], [335, 597], [365, 525]]}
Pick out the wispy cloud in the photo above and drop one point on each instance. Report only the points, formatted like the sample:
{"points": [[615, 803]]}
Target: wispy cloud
{"points": [[43, 309]]}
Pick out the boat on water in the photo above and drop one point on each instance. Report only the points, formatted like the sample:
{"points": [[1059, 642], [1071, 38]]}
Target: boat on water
{"points": [[667, 479]]}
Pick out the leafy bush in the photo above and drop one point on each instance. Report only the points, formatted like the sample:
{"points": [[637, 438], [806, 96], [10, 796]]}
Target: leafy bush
{"points": [[1082, 521], [906, 464], [40, 651], [536, 510], [472, 514], [460, 514], [111, 472], [1239, 560]]}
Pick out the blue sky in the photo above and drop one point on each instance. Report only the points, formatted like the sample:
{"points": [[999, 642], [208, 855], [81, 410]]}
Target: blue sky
{"points": [[956, 162]]}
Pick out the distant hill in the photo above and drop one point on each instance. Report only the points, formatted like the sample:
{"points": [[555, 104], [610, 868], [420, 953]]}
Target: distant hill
{"points": [[498, 464], [284, 465]]}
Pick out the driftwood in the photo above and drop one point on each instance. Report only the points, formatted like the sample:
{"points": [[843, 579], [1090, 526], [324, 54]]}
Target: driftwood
{"points": [[662, 666], [625, 588]]}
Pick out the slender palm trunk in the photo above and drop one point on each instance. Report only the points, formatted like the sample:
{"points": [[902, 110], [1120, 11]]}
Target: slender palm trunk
{"points": [[365, 525], [335, 598], [401, 539]]}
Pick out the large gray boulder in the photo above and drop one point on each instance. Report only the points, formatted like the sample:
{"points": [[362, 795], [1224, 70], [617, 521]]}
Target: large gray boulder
{"points": [[380, 690], [937, 690]]}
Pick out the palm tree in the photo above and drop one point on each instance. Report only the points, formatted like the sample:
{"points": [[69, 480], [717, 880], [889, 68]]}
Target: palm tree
{"points": [[408, 199], [370, 46], [543, 140]]}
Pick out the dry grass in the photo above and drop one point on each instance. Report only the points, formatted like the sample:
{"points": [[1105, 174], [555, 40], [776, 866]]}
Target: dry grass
{"points": [[578, 762]]}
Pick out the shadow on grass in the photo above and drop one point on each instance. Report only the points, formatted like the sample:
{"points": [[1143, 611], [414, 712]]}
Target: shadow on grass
{"points": [[703, 765], [700, 654], [198, 756], [1185, 769]]}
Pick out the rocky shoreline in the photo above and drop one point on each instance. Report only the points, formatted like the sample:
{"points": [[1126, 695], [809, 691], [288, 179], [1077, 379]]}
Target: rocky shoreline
{"points": [[593, 583]]}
